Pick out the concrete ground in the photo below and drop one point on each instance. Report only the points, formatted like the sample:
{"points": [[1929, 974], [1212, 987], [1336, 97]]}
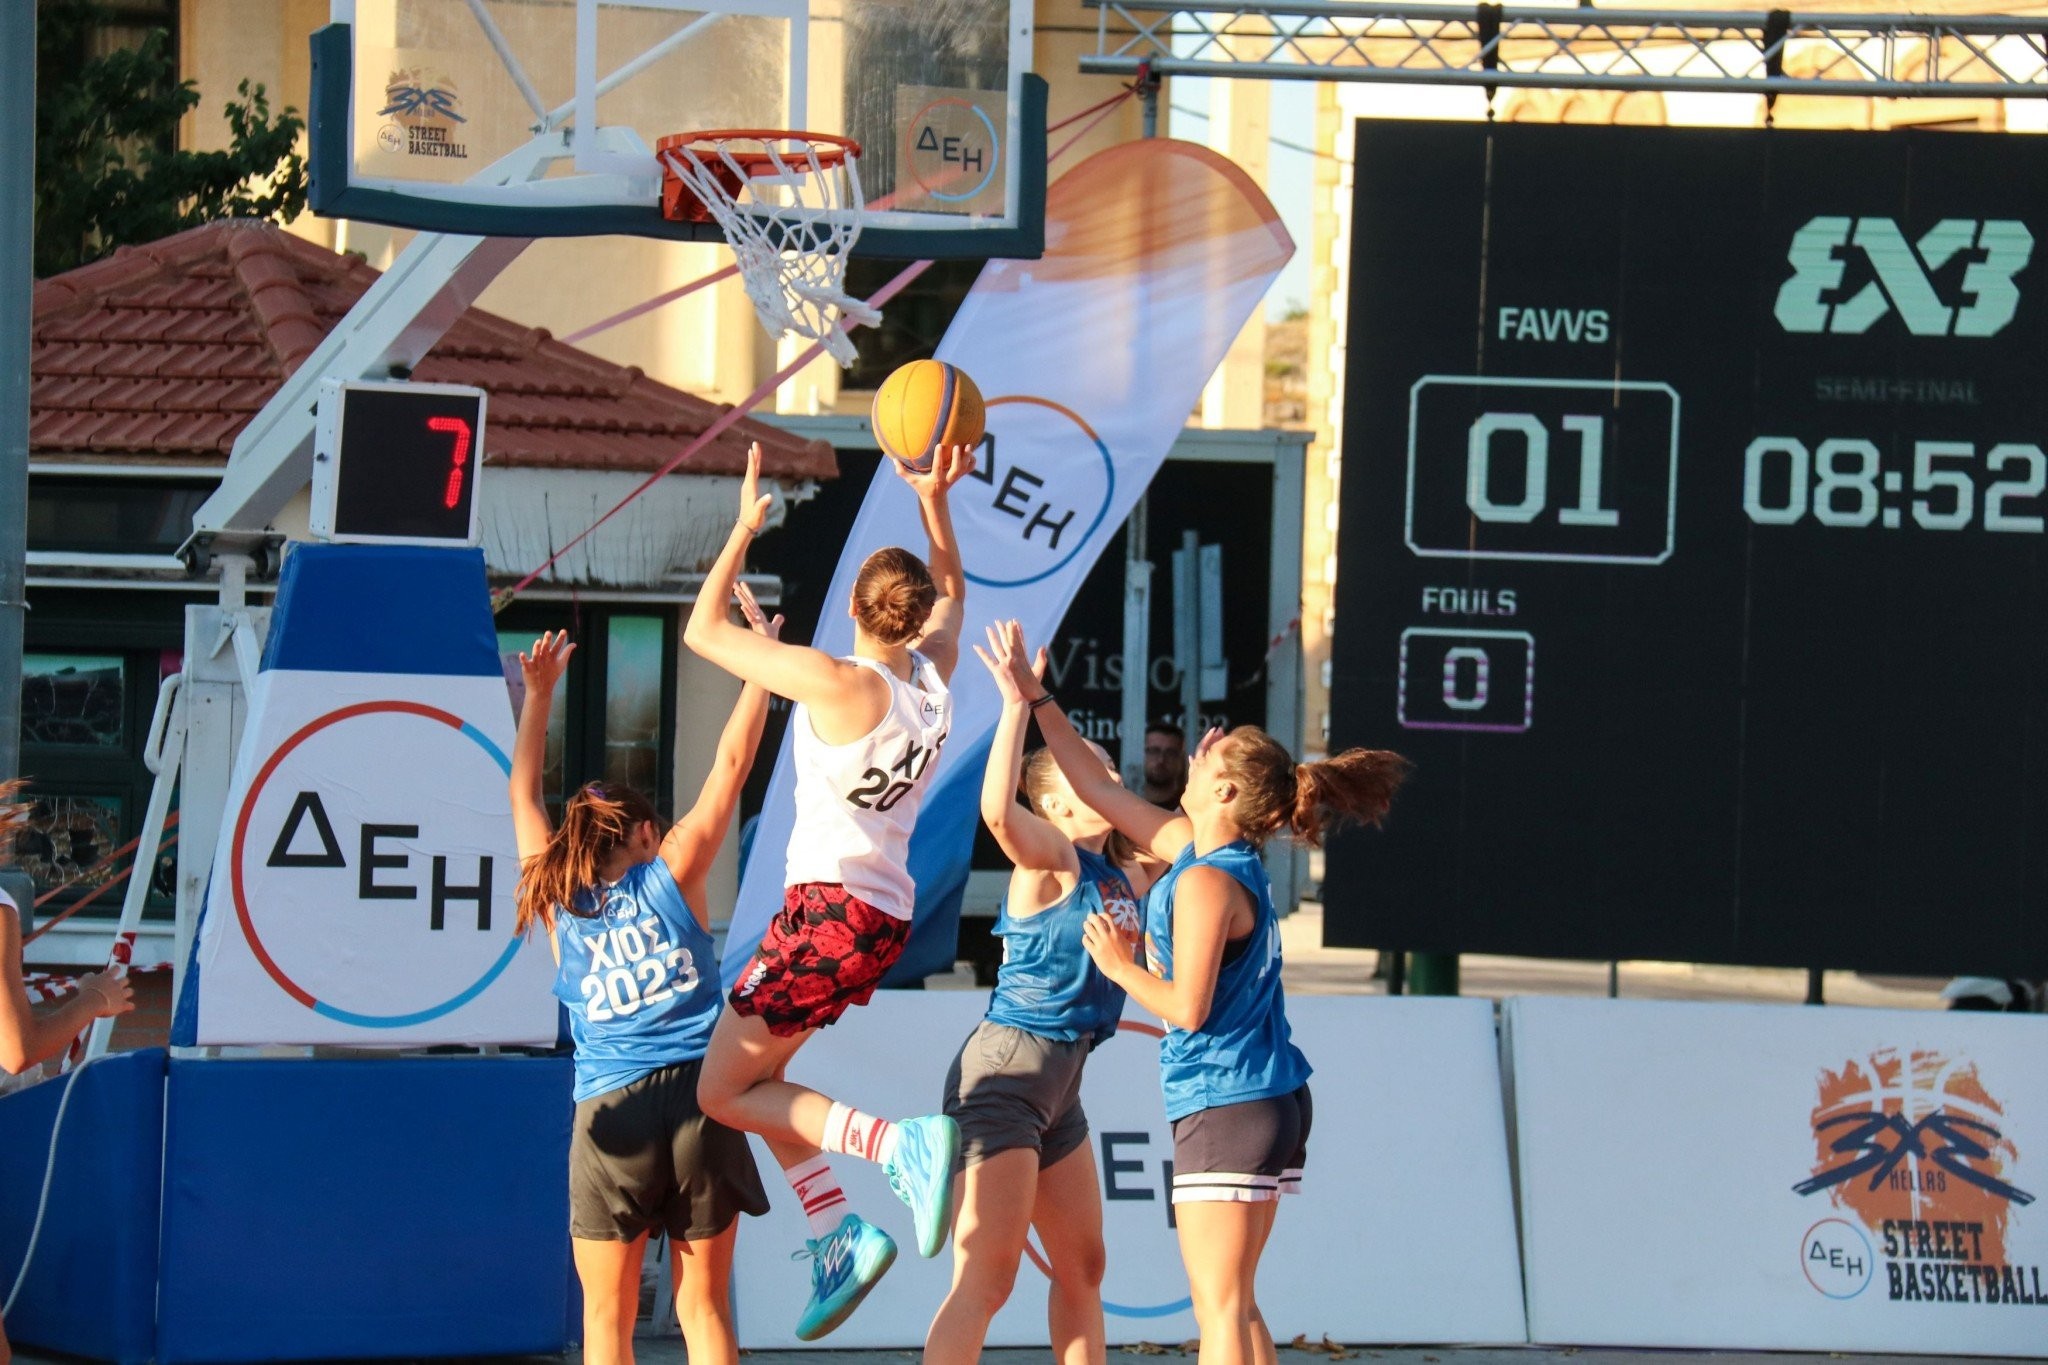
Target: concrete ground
{"points": [[669, 1351]]}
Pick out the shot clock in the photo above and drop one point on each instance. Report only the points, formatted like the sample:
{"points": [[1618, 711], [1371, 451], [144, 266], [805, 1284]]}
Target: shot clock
{"points": [[1694, 546], [397, 463]]}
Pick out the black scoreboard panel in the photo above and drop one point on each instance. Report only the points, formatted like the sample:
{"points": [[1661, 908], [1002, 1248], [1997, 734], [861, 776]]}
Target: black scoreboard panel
{"points": [[1692, 545]]}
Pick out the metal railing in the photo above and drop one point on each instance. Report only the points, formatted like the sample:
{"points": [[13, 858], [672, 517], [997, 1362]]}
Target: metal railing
{"points": [[1756, 52]]}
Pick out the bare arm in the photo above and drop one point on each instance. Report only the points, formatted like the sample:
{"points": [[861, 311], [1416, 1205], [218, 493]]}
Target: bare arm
{"points": [[541, 669], [1028, 839], [1204, 905], [693, 841], [1163, 833], [941, 639], [29, 1039], [840, 694]]}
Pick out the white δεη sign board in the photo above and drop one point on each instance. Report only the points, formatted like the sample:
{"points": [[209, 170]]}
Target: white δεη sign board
{"points": [[363, 887], [1775, 1178], [1405, 1230]]}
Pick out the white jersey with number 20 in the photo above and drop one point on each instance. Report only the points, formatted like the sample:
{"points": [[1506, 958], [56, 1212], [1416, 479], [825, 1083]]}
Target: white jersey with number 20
{"points": [[856, 803]]}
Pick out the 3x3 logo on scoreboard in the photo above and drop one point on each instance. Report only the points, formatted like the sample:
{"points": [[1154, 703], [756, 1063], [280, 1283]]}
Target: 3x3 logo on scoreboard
{"points": [[1745, 429]]}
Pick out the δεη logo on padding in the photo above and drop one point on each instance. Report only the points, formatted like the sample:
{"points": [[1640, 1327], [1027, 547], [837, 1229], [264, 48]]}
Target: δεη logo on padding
{"points": [[1997, 248], [1911, 1149]]}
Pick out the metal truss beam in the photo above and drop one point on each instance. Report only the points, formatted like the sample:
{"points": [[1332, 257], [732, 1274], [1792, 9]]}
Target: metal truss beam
{"points": [[1752, 53]]}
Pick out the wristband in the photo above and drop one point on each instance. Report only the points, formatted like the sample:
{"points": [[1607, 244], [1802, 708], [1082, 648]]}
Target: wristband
{"points": [[1040, 702]]}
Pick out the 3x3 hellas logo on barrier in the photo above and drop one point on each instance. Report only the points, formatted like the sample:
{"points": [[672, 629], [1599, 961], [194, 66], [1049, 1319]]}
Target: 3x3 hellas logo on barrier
{"points": [[1912, 1152], [1905, 276]]}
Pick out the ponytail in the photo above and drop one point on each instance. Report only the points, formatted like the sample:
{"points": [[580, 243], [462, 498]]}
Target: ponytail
{"points": [[1354, 787], [1306, 799], [596, 821]]}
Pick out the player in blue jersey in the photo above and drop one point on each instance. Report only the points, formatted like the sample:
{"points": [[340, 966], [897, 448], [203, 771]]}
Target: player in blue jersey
{"points": [[1236, 1085], [625, 907], [1015, 1088]]}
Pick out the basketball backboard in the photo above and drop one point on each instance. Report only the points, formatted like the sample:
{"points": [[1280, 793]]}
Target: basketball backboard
{"points": [[534, 118]]}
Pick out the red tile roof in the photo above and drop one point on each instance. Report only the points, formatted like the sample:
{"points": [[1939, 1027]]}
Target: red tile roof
{"points": [[169, 349]]}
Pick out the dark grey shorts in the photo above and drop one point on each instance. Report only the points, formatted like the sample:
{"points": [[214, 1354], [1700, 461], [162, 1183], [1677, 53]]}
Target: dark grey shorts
{"points": [[644, 1156], [1242, 1153], [1009, 1089]]}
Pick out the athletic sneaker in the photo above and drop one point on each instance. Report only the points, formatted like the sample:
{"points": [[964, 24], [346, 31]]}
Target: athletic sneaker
{"points": [[922, 1176], [844, 1267]]}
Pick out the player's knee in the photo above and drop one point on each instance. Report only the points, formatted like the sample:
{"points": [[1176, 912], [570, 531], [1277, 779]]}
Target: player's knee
{"points": [[988, 1288], [1081, 1266]]}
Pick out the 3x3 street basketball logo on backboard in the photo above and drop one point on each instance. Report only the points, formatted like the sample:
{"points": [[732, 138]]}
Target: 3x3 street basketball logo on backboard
{"points": [[422, 115], [1912, 1151]]}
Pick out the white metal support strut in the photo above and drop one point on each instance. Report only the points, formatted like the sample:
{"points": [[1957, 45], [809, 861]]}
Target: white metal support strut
{"points": [[1587, 48]]}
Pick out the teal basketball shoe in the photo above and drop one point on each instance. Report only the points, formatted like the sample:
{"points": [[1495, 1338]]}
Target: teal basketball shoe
{"points": [[922, 1176], [844, 1267]]}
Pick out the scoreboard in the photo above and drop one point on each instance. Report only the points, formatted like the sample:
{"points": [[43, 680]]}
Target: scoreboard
{"points": [[1693, 547]]}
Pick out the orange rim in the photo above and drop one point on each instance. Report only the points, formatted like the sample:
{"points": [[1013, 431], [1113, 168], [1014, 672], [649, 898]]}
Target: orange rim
{"points": [[830, 149]]}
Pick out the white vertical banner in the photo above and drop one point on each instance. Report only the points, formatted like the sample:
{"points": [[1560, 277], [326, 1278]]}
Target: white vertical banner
{"points": [[1404, 1231], [1090, 360], [1771, 1178]]}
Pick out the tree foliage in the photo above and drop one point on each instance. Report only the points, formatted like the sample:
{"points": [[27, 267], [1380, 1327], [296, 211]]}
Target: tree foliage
{"points": [[109, 171]]}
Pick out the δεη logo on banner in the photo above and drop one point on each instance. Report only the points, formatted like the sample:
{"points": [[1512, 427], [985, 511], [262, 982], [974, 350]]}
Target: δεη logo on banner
{"points": [[1912, 1152], [1040, 492], [1994, 249]]}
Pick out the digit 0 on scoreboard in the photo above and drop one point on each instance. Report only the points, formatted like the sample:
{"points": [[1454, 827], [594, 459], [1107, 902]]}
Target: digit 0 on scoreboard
{"points": [[397, 463], [1542, 469]]}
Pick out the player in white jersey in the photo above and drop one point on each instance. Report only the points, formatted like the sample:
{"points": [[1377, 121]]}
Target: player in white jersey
{"points": [[866, 731]]}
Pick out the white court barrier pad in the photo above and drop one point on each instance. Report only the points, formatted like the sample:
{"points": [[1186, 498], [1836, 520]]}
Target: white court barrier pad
{"points": [[1405, 1231], [1775, 1178]]}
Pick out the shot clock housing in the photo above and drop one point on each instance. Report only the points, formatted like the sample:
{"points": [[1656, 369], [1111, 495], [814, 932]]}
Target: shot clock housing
{"points": [[397, 463]]}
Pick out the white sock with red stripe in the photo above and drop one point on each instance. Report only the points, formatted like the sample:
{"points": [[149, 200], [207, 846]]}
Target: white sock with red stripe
{"points": [[853, 1133], [817, 1189]]}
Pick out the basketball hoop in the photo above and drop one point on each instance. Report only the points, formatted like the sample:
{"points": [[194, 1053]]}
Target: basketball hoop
{"points": [[790, 206]]}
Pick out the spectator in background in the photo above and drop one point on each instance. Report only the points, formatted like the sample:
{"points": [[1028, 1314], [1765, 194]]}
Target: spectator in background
{"points": [[1166, 764]]}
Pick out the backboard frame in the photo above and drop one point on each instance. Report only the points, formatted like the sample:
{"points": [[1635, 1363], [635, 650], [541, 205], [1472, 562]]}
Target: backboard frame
{"points": [[333, 193]]}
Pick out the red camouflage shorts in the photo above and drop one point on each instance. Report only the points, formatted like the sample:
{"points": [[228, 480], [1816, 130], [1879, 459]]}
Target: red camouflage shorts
{"points": [[826, 950]]}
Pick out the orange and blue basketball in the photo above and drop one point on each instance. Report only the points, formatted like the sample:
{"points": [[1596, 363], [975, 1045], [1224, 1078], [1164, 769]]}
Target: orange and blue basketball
{"points": [[924, 406]]}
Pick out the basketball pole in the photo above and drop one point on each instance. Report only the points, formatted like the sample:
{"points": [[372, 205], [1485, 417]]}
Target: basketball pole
{"points": [[17, 294]]}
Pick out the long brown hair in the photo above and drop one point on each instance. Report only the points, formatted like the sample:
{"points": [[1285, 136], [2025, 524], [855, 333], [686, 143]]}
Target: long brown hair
{"points": [[598, 818], [1041, 773], [1306, 799], [893, 595]]}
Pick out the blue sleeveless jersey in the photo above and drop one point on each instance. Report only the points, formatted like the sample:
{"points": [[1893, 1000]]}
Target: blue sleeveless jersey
{"points": [[1047, 985], [1244, 1050], [640, 981]]}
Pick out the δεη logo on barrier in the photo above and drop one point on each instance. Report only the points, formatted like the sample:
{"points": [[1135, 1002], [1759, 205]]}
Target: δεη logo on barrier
{"points": [[1911, 1150], [1996, 250], [1045, 483]]}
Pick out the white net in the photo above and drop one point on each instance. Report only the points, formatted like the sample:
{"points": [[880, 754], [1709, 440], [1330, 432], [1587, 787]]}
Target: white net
{"points": [[790, 208]]}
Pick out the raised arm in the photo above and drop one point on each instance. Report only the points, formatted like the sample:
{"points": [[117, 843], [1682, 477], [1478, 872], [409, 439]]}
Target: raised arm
{"points": [[29, 1039], [1028, 839], [1203, 908], [541, 669], [693, 841], [1162, 833], [813, 677], [941, 639]]}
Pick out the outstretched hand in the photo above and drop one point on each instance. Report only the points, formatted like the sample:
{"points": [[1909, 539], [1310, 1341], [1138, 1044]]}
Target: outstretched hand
{"points": [[950, 464], [110, 993], [1004, 659], [757, 620], [542, 666], [754, 504]]}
